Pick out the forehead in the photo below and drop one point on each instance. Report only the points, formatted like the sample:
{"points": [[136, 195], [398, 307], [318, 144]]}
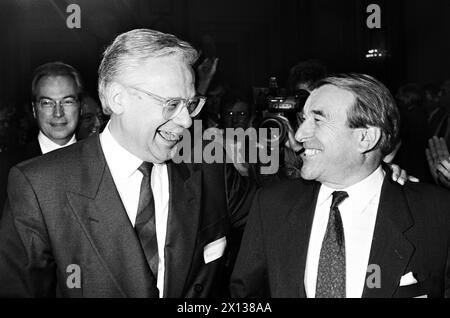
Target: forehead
{"points": [[237, 106], [166, 76], [330, 100], [55, 86]]}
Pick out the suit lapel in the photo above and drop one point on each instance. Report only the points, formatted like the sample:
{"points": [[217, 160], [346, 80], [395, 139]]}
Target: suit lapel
{"points": [[182, 225], [391, 250], [100, 211], [300, 220]]}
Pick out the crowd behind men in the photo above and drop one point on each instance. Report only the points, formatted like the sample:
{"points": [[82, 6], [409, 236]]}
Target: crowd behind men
{"points": [[140, 225]]}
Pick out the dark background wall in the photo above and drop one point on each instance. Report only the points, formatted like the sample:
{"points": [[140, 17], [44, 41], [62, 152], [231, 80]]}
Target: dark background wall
{"points": [[254, 39]]}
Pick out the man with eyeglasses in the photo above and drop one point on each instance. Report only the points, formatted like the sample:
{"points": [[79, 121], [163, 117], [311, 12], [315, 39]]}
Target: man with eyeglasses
{"points": [[112, 215], [56, 89]]}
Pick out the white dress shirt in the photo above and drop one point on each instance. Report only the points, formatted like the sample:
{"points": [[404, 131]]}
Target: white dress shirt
{"points": [[48, 145], [358, 213], [127, 178]]}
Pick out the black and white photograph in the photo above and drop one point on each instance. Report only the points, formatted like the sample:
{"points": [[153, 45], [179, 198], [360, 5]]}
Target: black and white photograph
{"points": [[243, 153]]}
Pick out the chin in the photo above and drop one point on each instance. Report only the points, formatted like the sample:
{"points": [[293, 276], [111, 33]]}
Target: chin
{"points": [[307, 174], [60, 136], [162, 157]]}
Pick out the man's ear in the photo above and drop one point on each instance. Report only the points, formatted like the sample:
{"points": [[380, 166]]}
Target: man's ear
{"points": [[368, 138], [115, 98], [33, 109]]}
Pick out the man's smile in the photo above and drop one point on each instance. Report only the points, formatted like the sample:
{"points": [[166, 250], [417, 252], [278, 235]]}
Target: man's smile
{"points": [[170, 137], [311, 152]]}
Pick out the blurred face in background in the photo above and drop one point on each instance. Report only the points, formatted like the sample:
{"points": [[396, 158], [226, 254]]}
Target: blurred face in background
{"points": [[4, 122], [56, 108], [236, 115], [214, 100], [303, 86], [91, 119]]}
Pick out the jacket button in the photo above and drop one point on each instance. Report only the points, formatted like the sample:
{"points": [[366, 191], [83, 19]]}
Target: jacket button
{"points": [[198, 288]]}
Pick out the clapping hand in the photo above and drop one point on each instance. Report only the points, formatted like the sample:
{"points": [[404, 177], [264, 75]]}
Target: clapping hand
{"points": [[438, 158]]}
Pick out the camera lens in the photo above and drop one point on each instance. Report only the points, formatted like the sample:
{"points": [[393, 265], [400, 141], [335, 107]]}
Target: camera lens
{"points": [[276, 130]]}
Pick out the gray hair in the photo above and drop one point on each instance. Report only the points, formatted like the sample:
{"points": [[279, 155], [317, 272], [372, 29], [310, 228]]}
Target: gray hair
{"points": [[56, 69], [128, 51], [374, 107]]}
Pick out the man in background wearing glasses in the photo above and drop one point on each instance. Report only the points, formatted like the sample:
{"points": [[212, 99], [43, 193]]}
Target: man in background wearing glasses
{"points": [[112, 215], [56, 89]]}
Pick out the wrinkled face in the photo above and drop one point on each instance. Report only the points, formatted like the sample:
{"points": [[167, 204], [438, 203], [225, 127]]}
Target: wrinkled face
{"points": [[330, 145], [236, 116], [141, 127], [58, 123], [91, 119]]}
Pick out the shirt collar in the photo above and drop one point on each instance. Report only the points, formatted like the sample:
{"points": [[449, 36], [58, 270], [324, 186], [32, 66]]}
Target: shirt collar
{"points": [[360, 193], [120, 160], [48, 145]]}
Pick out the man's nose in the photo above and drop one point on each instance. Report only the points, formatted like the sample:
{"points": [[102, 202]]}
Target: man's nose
{"points": [[183, 119], [58, 110], [305, 131], [97, 121]]}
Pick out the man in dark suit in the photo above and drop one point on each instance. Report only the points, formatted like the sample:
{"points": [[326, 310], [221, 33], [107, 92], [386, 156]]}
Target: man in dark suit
{"points": [[349, 231], [56, 90], [112, 215]]}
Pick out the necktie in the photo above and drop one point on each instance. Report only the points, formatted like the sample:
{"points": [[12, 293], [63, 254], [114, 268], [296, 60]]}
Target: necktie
{"points": [[145, 219], [331, 272]]}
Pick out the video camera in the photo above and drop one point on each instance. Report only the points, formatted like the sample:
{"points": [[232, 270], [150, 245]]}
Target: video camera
{"points": [[276, 107]]}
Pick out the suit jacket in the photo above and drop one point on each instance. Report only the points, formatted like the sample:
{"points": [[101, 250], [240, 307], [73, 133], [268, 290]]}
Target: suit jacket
{"points": [[12, 157], [412, 234], [64, 215]]}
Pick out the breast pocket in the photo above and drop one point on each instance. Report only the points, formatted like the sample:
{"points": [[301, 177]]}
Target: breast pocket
{"points": [[212, 239], [418, 290]]}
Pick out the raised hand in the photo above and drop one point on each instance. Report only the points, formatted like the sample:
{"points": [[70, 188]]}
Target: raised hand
{"points": [[438, 158], [206, 71]]}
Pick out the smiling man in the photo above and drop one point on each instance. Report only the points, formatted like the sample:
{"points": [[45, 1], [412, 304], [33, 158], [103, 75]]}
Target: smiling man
{"points": [[112, 215], [347, 229], [56, 90]]}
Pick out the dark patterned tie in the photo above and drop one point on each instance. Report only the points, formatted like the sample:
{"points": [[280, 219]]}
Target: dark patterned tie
{"points": [[145, 219], [331, 272]]}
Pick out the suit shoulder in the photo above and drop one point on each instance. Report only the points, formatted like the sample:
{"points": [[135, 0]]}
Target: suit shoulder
{"points": [[286, 188], [426, 190], [428, 202], [282, 195], [61, 162]]}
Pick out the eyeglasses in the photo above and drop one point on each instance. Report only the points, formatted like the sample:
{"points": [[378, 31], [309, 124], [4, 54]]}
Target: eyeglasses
{"points": [[66, 103], [173, 106]]}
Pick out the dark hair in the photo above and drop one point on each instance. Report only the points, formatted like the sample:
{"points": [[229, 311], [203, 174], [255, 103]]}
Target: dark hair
{"points": [[307, 72], [232, 97], [411, 94], [374, 106], [56, 69]]}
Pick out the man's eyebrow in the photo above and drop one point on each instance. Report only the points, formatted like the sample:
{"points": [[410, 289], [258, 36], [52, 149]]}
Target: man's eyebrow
{"points": [[68, 96], [319, 113]]}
